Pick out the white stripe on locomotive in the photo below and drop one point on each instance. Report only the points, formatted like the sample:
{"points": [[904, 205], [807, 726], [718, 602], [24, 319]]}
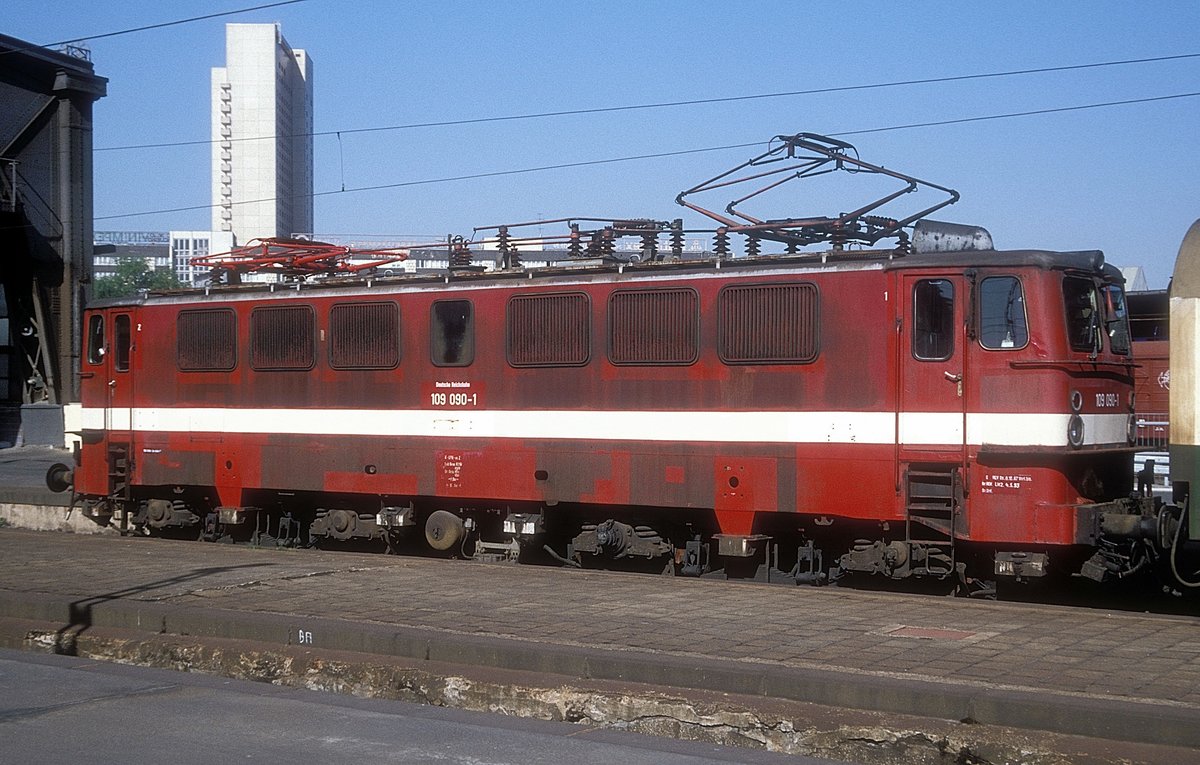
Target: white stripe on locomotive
{"points": [[915, 428]]}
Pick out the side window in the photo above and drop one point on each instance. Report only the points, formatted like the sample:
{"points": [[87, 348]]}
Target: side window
{"points": [[206, 340], [1116, 319], [282, 338], [95, 339], [1083, 320], [1002, 320], [122, 340], [933, 320], [549, 330], [654, 327], [767, 324], [364, 336], [452, 333]]}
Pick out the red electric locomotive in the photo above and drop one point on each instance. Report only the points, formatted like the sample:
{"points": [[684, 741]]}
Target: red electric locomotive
{"points": [[935, 408]]}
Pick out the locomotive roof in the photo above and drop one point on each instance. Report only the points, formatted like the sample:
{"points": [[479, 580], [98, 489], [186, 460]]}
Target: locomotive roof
{"points": [[804, 263]]}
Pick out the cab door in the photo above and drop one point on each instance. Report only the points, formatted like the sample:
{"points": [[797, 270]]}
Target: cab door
{"points": [[106, 391], [91, 476], [932, 413], [119, 420], [931, 434]]}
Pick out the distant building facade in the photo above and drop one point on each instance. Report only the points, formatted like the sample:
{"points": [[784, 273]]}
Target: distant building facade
{"points": [[150, 246], [262, 124], [186, 245]]}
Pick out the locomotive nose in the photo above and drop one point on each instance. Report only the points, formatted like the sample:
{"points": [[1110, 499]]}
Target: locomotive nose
{"points": [[59, 478]]}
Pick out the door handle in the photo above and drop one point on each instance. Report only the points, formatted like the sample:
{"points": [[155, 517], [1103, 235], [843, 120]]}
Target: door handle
{"points": [[957, 380]]}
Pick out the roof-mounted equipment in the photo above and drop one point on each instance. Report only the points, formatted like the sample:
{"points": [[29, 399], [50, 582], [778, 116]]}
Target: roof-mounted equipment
{"points": [[294, 259], [599, 240], [807, 155]]}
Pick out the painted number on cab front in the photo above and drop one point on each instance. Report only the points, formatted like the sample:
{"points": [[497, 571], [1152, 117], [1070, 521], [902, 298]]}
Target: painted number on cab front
{"points": [[1107, 400]]}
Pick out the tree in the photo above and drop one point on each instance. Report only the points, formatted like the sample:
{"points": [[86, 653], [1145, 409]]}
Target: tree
{"points": [[131, 275]]}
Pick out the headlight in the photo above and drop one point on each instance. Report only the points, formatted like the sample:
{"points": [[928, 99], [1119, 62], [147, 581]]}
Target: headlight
{"points": [[1075, 431], [1076, 401], [1131, 430]]}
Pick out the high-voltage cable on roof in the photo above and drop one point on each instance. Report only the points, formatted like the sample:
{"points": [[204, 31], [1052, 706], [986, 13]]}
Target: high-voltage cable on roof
{"points": [[597, 240], [807, 155], [294, 259]]}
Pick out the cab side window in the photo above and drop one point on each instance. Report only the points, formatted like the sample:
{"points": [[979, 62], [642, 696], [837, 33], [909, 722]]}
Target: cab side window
{"points": [[95, 339], [1083, 319], [1003, 324], [122, 341], [933, 320], [452, 333], [1116, 319]]}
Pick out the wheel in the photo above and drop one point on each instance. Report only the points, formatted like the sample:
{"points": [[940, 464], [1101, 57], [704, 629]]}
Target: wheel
{"points": [[159, 512], [443, 530], [342, 524]]}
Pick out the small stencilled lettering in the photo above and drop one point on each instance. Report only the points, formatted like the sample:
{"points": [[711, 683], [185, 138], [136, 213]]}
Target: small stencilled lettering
{"points": [[1004, 483], [452, 470]]}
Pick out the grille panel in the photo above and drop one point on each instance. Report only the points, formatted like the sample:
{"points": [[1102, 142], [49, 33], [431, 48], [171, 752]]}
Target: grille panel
{"points": [[549, 330], [282, 338], [654, 327], [768, 324], [206, 341], [364, 336]]}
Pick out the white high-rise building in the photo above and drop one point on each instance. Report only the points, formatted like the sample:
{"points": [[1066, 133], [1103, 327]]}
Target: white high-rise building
{"points": [[262, 123]]}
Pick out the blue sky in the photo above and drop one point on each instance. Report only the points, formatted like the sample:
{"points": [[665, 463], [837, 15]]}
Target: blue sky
{"points": [[1124, 179]]}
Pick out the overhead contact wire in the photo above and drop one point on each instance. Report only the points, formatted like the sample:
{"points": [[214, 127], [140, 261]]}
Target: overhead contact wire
{"points": [[148, 27], [659, 155], [672, 104]]}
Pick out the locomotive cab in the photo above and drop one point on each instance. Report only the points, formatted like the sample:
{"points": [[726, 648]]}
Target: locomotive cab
{"points": [[1015, 412], [1125, 532], [104, 475]]}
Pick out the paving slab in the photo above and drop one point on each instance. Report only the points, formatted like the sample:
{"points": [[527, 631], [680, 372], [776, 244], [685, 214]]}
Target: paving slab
{"points": [[1118, 675]]}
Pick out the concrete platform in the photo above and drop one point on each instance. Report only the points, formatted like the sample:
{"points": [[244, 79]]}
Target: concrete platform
{"points": [[1103, 675], [23, 475]]}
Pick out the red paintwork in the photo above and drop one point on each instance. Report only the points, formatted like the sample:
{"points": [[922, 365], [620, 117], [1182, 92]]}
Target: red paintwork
{"points": [[864, 365], [1152, 388]]}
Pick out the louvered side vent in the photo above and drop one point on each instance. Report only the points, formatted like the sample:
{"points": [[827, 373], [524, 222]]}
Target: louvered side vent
{"points": [[654, 327], [364, 336], [549, 330], [206, 341], [768, 324], [282, 338]]}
